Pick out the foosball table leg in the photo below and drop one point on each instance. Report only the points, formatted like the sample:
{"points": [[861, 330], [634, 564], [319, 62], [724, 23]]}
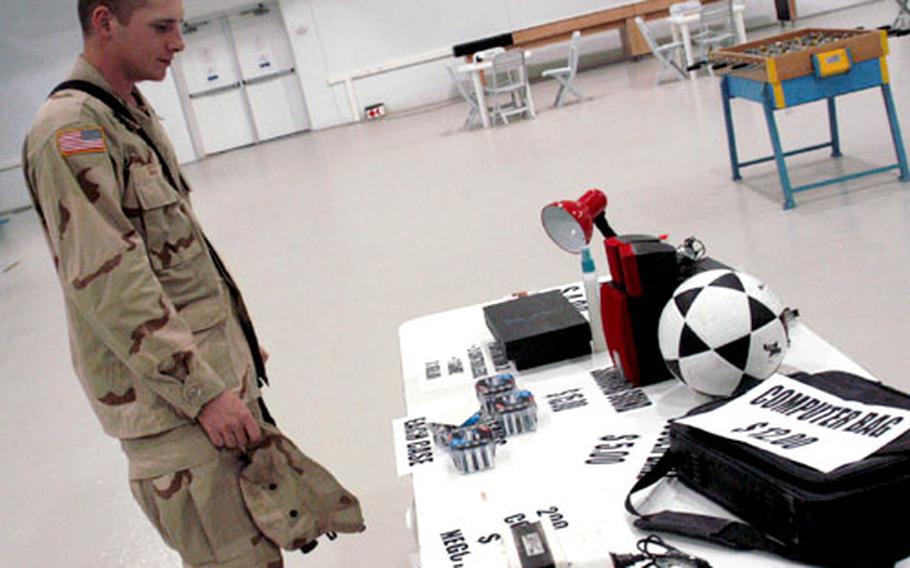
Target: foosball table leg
{"points": [[789, 203], [896, 133], [731, 134], [832, 124]]}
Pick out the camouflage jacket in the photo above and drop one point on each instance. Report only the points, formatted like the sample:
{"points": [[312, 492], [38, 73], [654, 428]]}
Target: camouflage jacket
{"points": [[153, 331]]}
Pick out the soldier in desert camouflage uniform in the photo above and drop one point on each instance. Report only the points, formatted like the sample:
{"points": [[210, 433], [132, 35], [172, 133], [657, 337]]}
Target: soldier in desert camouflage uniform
{"points": [[159, 335]]}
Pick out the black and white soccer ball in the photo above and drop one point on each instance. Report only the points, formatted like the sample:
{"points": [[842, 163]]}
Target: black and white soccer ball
{"points": [[720, 327]]}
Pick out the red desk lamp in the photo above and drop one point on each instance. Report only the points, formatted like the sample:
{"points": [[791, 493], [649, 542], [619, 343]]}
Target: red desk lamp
{"points": [[571, 225], [643, 275]]}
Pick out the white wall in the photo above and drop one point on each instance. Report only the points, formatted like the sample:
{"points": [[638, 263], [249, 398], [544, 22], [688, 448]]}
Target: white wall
{"points": [[355, 34], [166, 102], [525, 14], [38, 41], [38, 45], [332, 37], [325, 103], [32, 38]]}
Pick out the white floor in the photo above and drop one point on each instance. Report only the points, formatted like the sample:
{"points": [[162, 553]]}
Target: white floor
{"points": [[338, 237]]}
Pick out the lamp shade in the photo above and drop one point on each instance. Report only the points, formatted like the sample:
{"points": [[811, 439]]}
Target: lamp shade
{"points": [[571, 223]]}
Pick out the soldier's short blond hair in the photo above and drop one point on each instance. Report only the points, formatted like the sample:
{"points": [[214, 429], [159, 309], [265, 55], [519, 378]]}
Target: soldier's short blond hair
{"points": [[122, 10]]}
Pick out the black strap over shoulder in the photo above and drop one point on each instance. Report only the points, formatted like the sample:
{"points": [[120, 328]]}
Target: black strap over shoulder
{"points": [[716, 530], [94, 90], [123, 114]]}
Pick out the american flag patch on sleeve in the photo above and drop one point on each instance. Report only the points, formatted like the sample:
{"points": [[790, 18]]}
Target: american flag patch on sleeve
{"points": [[80, 141]]}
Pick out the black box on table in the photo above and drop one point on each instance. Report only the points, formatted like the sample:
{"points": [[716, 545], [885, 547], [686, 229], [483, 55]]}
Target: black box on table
{"points": [[539, 329]]}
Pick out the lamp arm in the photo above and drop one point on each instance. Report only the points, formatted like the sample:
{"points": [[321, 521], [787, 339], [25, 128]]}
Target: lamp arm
{"points": [[601, 223]]}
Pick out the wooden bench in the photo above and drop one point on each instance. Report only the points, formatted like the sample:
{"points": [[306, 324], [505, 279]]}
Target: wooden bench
{"points": [[620, 18]]}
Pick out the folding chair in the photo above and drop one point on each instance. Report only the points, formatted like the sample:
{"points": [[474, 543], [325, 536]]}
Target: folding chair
{"points": [[685, 7], [466, 90], [487, 54], [717, 27], [565, 75], [508, 79], [666, 54], [901, 25]]}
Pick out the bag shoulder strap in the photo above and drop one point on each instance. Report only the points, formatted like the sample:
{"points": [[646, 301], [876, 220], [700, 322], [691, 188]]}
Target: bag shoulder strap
{"points": [[123, 115], [716, 530], [94, 90]]}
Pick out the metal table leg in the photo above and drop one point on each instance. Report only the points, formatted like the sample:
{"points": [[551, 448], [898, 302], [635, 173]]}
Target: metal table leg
{"points": [[832, 124], [477, 80], [731, 134], [896, 133], [779, 156]]}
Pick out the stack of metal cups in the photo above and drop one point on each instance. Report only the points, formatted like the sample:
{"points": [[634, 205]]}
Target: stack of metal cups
{"points": [[517, 411], [509, 410], [442, 433], [504, 411], [473, 449], [490, 388]]}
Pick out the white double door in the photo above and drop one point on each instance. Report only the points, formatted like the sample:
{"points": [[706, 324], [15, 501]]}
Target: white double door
{"points": [[241, 82]]}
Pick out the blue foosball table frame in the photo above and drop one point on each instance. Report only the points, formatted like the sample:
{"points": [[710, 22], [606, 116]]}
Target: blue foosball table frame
{"points": [[794, 79]]}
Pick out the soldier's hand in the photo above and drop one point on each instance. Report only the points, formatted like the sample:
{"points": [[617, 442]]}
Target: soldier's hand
{"points": [[228, 423]]}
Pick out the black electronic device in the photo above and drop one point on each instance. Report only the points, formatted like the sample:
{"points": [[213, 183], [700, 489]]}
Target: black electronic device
{"points": [[532, 546], [658, 554], [644, 273], [539, 329], [645, 270], [847, 518]]}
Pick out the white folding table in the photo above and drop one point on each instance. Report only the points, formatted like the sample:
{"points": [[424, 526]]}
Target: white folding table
{"points": [[679, 27], [564, 473]]}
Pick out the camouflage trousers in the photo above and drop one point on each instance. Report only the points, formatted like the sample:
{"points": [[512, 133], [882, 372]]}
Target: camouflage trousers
{"points": [[190, 492]]}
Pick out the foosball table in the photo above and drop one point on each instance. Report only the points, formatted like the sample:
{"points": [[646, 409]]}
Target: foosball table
{"points": [[801, 67]]}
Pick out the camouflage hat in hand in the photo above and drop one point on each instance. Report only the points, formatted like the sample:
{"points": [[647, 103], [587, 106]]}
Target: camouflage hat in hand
{"points": [[291, 498]]}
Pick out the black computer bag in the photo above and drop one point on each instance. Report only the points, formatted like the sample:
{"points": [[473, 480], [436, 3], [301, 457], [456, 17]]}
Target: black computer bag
{"points": [[855, 516]]}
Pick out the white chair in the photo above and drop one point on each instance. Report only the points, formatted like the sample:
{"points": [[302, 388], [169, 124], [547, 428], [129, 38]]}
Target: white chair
{"points": [[685, 8], [487, 54], [565, 75], [466, 90], [717, 27], [667, 54], [901, 25], [507, 85]]}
